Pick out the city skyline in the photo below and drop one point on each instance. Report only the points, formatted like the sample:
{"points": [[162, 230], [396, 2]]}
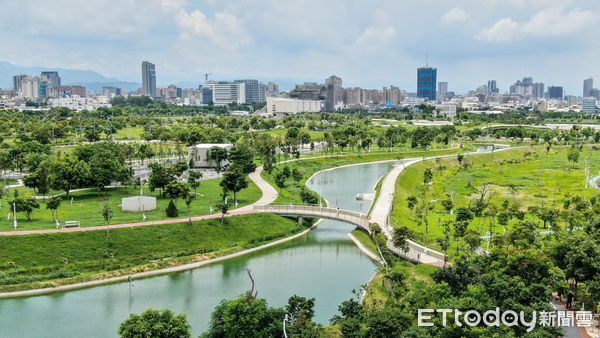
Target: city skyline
{"points": [[499, 40]]}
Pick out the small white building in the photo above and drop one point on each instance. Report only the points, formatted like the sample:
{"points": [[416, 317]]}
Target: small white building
{"points": [[138, 203], [199, 154], [285, 106]]}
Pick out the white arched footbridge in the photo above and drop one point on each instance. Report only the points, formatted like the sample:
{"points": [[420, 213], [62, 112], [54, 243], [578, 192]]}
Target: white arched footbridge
{"points": [[353, 217]]}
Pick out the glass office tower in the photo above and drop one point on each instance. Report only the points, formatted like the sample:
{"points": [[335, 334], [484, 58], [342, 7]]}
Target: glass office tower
{"points": [[426, 82]]}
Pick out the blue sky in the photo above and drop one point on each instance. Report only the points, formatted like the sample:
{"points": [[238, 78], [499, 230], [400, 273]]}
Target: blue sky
{"points": [[368, 43]]}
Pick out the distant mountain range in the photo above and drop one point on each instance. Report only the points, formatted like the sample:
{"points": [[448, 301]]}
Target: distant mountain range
{"points": [[92, 80]]}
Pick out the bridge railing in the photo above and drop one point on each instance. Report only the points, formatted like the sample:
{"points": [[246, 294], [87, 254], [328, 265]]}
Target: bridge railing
{"points": [[317, 211]]}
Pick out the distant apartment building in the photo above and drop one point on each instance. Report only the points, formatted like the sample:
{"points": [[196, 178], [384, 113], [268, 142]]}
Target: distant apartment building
{"points": [[17, 81], [555, 92], [272, 89], [426, 83], [537, 90], [62, 91], [393, 96], [442, 90], [78, 103], [52, 77], [148, 79], [308, 91], [523, 88], [492, 87], [589, 105], [256, 92], [224, 93]]}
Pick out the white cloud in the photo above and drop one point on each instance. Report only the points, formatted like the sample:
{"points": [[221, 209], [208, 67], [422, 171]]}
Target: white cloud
{"points": [[455, 15], [223, 29], [503, 30], [548, 22], [554, 22], [376, 35]]}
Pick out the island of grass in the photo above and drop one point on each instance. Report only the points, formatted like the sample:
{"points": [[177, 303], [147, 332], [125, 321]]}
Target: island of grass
{"points": [[86, 206], [48, 260], [519, 182]]}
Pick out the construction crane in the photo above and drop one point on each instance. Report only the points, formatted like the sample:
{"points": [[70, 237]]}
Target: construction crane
{"points": [[206, 77]]}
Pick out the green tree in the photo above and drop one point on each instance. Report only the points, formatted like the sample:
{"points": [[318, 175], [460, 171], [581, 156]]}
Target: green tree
{"points": [[107, 212], [245, 317], [156, 324], [573, 156], [177, 190], [68, 173], [401, 236], [171, 210], [23, 204], [53, 204], [234, 180], [194, 179], [217, 155], [241, 156], [427, 176]]}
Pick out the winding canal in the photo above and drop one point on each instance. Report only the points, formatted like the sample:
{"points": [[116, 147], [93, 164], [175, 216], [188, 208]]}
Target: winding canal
{"points": [[323, 264]]}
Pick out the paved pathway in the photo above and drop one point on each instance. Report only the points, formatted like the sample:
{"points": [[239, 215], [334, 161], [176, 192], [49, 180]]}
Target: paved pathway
{"points": [[383, 207], [269, 194]]}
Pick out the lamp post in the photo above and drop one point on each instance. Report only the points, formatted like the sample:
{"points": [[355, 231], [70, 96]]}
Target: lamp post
{"points": [[15, 215]]}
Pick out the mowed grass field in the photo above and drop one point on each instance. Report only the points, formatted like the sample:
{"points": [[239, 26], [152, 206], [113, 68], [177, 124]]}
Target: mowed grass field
{"points": [[87, 206], [27, 260], [529, 177]]}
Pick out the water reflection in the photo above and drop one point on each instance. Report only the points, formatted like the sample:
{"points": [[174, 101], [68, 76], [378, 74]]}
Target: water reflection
{"points": [[324, 264]]}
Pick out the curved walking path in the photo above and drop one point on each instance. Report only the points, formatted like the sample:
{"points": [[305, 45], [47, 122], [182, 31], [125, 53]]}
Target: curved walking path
{"points": [[269, 194], [382, 209]]}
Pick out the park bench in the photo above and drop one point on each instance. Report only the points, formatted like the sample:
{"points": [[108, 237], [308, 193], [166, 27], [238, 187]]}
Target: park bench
{"points": [[71, 224]]}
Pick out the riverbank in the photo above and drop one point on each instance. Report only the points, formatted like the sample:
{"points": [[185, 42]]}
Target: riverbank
{"points": [[96, 257], [308, 167]]}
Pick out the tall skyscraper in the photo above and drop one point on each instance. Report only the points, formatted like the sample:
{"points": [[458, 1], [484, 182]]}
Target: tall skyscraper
{"points": [[17, 82], [148, 79], [537, 90], [53, 78], [426, 82], [491, 87], [555, 92], [442, 90], [588, 85], [333, 92]]}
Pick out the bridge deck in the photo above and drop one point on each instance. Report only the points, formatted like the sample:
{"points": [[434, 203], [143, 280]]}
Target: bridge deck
{"points": [[353, 217]]}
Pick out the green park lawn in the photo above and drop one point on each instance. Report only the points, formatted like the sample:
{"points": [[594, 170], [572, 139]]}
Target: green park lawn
{"points": [[81, 256], [291, 192], [539, 179], [87, 206], [129, 133]]}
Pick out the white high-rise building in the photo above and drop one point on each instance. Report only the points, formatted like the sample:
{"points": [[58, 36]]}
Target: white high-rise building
{"points": [[224, 93], [588, 105], [442, 90]]}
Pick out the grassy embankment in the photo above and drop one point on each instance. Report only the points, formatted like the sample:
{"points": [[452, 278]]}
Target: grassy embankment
{"points": [[529, 177], [377, 291], [87, 206], [291, 191], [38, 261]]}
